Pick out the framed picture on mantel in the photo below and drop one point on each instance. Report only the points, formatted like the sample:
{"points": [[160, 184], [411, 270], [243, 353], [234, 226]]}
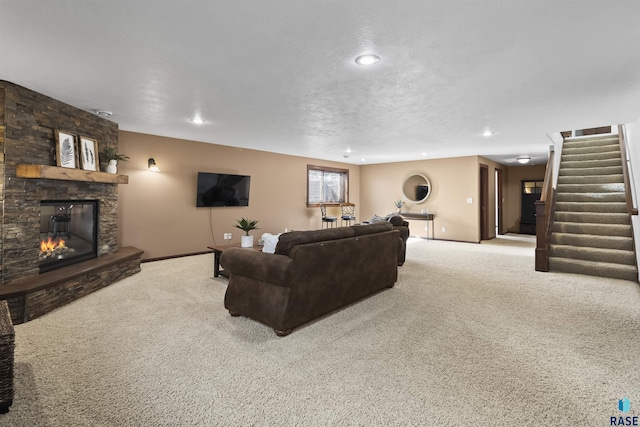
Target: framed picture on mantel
{"points": [[65, 149], [88, 153]]}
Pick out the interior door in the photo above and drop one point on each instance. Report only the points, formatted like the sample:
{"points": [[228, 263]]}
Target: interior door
{"points": [[499, 202], [484, 202]]}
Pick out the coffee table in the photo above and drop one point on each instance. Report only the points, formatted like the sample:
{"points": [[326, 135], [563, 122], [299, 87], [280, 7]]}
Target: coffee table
{"points": [[219, 249]]}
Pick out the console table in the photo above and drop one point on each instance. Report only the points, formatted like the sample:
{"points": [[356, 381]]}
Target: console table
{"points": [[217, 251], [421, 217]]}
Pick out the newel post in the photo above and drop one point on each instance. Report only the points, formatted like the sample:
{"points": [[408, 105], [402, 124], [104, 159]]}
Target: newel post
{"points": [[542, 248]]}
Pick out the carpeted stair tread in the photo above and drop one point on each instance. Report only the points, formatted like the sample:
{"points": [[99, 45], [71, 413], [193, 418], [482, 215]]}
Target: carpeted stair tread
{"points": [[623, 230], [593, 268], [603, 197], [604, 170], [611, 187], [614, 256], [577, 164], [594, 218], [591, 207], [590, 140], [592, 241], [591, 149], [591, 179], [592, 156]]}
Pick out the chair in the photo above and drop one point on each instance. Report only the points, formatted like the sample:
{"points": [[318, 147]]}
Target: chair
{"points": [[329, 220], [347, 212]]}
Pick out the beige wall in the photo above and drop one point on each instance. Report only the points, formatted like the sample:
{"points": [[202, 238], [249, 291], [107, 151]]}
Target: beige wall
{"points": [[513, 201], [157, 211], [452, 182]]}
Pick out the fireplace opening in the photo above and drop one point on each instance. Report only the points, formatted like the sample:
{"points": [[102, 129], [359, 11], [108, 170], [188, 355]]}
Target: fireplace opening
{"points": [[68, 232]]}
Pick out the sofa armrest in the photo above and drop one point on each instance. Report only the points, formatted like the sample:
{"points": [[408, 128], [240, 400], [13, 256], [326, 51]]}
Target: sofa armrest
{"points": [[271, 268]]}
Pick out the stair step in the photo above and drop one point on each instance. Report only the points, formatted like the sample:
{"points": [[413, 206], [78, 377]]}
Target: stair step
{"points": [[612, 187], [591, 207], [576, 164], [592, 268], [602, 197], [592, 179], [591, 149], [592, 218], [590, 140], [623, 230], [592, 241], [606, 170], [591, 156], [614, 256]]}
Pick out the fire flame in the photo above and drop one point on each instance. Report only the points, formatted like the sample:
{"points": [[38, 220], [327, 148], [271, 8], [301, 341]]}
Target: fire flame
{"points": [[51, 245]]}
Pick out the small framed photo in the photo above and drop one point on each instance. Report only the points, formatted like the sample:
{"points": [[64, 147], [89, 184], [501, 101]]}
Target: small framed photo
{"points": [[66, 149], [88, 153]]}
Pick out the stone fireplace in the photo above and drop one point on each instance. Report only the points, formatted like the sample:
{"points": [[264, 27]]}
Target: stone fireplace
{"points": [[53, 203]]}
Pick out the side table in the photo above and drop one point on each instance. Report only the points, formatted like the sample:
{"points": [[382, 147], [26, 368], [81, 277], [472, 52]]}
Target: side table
{"points": [[218, 250]]}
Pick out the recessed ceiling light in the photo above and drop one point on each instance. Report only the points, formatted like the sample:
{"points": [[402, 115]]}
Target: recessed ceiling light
{"points": [[523, 160], [362, 160], [197, 120], [424, 153], [487, 133], [367, 59], [348, 150]]}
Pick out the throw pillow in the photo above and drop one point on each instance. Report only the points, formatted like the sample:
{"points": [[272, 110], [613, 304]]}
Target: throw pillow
{"points": [[270, 242]]}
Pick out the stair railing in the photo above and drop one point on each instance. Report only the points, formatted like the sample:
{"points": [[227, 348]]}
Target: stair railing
{"points": [[631, 210], [544, 216]]}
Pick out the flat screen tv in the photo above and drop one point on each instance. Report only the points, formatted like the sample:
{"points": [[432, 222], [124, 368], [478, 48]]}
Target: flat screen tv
{"points": [[221, 189]]}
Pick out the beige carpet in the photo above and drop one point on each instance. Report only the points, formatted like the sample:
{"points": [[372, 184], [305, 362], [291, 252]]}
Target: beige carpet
{"points": [[470, 335]]}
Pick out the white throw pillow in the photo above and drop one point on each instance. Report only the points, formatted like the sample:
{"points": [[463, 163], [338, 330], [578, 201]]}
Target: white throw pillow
{"points": [[270, 242]]}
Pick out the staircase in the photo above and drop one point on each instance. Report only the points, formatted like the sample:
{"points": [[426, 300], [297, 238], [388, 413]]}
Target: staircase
{"points": [[591, 227]]}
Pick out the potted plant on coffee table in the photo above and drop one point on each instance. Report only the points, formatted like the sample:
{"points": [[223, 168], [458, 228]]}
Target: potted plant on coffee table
{"points": [[246, 225]]}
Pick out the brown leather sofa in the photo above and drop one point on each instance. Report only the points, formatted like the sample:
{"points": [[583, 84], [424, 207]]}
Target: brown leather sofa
{"points": [[312, 273], [403, 229]]}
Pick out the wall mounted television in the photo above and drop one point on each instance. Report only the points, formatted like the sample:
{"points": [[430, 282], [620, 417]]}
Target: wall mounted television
{"points": [[220, 189]]}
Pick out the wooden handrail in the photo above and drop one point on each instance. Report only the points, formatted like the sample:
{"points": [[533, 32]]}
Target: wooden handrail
{"points": [[625, 172], [544, 217]]}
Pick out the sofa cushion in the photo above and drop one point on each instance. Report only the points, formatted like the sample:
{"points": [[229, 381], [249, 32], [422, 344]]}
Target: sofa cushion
{"points": [[376, 227], [270, 241], [288, 240], [396, 220]]}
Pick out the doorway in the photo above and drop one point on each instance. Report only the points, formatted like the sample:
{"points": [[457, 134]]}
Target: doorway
{"points": [[484, 202], [499, 201]]}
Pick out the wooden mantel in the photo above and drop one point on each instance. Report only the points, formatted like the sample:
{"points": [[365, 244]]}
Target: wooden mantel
{"points": [[68, 174]]}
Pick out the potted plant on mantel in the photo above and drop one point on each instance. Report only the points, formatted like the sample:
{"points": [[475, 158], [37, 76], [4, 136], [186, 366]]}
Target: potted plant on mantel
{"points": [[112, 156], [246, 225], [399, 204]]}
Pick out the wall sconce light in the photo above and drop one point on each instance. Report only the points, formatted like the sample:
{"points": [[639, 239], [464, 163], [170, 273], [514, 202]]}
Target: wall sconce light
{"points": [[152, 166], [524, 160]]}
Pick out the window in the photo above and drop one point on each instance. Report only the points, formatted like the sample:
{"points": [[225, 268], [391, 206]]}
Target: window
{"points": [[327, 185]]}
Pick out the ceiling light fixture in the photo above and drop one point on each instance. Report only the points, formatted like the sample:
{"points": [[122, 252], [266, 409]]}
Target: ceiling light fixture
{"points": [[348, 150], [197, 120], [104, 114], [367, 59], [523, 160], [487, 133]]}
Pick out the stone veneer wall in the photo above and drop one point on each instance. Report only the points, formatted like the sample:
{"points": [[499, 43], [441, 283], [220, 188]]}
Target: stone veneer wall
{"points": [[27, 124]]}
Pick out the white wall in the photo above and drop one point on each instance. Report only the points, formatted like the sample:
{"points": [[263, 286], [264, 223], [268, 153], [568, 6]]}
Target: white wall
{"points": [[632, 134]]}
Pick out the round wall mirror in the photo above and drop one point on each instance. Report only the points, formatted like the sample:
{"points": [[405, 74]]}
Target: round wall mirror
{"points": [[416, 188]]}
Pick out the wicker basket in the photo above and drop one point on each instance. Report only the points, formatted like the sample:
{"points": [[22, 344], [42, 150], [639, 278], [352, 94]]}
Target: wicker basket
{"points": [[7, 344]]}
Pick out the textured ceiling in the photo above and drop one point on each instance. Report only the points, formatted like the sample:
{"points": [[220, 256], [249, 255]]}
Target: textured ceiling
{"points": [[280, 75]]}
